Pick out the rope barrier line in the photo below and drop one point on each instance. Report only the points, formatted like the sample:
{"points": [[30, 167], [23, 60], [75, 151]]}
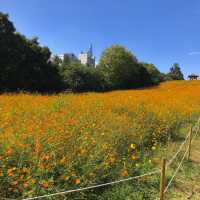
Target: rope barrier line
{"points": [[197, 131], [177, 169], [181, 147], [124, 180], [179, 150], [95, 186], [176, 154], [130, 178], [2, 198]]}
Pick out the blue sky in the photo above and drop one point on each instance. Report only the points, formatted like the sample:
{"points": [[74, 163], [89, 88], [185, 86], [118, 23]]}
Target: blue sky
{"points": [[157, 31]]}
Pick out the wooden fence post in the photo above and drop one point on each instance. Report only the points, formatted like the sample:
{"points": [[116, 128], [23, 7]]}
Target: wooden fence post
{"points": [[198, 124], [189, 144], [162, 180]]}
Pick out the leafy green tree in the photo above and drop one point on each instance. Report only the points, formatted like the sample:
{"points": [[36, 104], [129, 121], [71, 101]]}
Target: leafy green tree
{"points": [[155, 74], [117, 64], [175, 73], [145, 78], [81, 78], [121, 68], [24, 64], [67, 60], [56, 60]]}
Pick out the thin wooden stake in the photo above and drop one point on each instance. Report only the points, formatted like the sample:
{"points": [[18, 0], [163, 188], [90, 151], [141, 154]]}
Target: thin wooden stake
{"points": [[198, 124], [189, 143], [162, 180]]}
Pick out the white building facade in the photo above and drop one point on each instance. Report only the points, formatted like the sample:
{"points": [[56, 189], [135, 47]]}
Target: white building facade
{"points": [[87, 58]]}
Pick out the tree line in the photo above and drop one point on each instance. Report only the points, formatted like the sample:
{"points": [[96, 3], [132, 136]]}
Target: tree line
{"points": [[26, 66]]}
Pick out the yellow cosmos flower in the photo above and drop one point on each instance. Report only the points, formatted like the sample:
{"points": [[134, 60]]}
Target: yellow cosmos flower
{"points": [[153, 148], [133, 157], [133, 146]]}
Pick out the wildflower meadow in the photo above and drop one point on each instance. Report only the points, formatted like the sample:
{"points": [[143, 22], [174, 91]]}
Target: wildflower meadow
{"points": [[51, 143]]}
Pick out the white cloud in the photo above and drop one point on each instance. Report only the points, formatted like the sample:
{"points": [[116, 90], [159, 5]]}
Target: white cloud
{"points": [[194, 53]]}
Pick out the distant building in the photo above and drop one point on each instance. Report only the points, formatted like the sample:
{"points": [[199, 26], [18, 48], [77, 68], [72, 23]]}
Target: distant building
{"points": [[71, 56], [87, 58], [193, 77], [62, 57]]}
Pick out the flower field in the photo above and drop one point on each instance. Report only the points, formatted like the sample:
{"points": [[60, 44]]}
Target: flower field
{"points": [[60, 142]]}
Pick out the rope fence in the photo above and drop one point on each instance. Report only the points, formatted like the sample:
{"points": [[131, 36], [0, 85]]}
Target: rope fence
{"points": [[163, 190], [187, 152], [176, 171], [95, 186], [176, 154]]}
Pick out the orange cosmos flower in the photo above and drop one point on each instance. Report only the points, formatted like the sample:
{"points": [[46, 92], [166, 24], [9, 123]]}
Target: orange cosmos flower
{"points": [[77, 181], [9, 152], [124, 173], [1, 173], [62, 161], [45, 184], [10, 172]]}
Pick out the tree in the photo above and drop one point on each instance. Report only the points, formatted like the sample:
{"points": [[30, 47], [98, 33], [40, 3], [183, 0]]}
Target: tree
{"points": [[6, 27], [81, 78], [120, 68], [155, 74], [67, 60], [56, 60], [175, 73], [145, 78], [24, 64]]}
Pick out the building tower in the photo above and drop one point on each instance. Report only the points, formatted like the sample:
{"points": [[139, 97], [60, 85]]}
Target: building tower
{"points": [[87, 58], [90, 52]]}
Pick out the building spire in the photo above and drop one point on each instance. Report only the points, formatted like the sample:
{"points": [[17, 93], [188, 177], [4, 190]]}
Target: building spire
{"points": [[87, 58], [91, 50]]}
